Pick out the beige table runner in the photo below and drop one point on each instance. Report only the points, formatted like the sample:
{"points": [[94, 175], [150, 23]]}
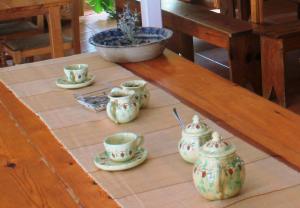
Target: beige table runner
{"points": [[164, 180]]}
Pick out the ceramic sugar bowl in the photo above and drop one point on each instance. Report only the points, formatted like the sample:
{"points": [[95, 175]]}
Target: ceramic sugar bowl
{"points": [[122, 106], [219, 172], [193, 137], [139, 87]]}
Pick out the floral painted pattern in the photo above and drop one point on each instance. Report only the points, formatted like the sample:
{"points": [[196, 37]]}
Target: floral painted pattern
{"points": [[219, 179], [103, 162]]}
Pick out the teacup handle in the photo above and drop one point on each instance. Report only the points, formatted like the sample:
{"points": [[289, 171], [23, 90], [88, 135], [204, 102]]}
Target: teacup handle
{"points": [[139, 141]]}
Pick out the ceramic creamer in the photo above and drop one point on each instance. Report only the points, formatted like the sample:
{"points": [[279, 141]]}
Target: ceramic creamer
{"points": [[193, 137], [122, 106], [142, 94], [219, 173]]}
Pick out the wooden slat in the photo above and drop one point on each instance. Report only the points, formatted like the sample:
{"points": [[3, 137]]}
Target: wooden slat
{"points": [[9, 4], [42, 166], [247, 115], [257, 11], [207, 18]]}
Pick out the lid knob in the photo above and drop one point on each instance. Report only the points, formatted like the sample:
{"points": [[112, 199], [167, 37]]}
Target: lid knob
{"points": [[216, 137], [196, 119]]}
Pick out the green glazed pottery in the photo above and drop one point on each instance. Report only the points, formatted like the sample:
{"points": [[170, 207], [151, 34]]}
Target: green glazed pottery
{"points": [[193, 137], [76, 73], [63, 83], [103, 161], [122, 106], [142, 94], [122, 146], [219, 173]]}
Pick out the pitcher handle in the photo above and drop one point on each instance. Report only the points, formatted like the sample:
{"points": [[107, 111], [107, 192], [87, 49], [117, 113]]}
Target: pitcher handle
{"points": [[113, 111]]}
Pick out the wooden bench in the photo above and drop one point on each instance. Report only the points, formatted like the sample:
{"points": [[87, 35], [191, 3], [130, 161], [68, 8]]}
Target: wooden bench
{"points": [[192, 20], [276, 41], [188, 21]]}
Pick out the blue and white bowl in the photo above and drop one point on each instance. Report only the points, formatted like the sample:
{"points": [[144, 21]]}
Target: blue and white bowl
{"points": [[149, 43]]}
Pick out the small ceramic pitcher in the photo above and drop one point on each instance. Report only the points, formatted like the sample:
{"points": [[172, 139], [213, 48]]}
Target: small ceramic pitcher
{"points": [[122, 106], [139, 87], [193, 137], [219, 173]]}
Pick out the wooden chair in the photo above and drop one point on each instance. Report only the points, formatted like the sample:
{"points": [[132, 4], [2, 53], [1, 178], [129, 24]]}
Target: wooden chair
{"points": [[39, 44], [15, 29]]}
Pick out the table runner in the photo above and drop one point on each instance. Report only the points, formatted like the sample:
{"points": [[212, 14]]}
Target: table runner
{"points": [[164, 180]]}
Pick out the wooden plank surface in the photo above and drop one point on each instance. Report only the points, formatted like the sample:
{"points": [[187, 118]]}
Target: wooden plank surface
{"points": [[168, 181], [255, 119], [35, 169]]}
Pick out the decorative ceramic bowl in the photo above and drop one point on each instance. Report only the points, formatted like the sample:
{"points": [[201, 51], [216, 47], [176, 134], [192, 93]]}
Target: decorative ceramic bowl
{"points": [[149, 43]]}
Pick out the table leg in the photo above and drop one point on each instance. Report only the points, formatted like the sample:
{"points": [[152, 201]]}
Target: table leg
{"points": [[227, 8], [243, 9], [55, 32], [182, 44], [273, 70], [244, 62]]}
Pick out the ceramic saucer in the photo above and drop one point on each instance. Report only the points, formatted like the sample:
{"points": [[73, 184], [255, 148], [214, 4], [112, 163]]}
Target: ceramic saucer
{"points": [[103, 162], [63, 83]]}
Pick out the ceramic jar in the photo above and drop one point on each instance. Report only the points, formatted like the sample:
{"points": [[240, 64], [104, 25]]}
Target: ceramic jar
{"points": [[122, 106], [193, 137], [219, 172], [142, 94]]}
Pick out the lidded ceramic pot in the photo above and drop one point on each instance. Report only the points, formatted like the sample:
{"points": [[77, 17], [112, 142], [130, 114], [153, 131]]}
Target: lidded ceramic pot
{"points": [[193, 137], [219, 173]]}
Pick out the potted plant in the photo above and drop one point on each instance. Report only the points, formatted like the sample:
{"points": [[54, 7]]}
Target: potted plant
{"points": [[107, 6], [129, 42]]}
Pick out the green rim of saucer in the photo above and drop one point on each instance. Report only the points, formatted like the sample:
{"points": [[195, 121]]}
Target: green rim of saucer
{"points": [[63, 83], [103, 162]]}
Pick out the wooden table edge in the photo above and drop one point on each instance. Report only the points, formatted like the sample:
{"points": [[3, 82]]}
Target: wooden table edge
{"points": [[282, 155]]}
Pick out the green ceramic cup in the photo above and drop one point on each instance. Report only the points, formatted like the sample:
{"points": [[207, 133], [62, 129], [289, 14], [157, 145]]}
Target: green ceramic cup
{"points": [[76, 73], [122, 146]]}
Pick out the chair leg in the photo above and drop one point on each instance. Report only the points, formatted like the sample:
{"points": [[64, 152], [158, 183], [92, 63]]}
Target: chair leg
{"points": [[17, 58], [29, 59], [41, 23], [2, 56]]}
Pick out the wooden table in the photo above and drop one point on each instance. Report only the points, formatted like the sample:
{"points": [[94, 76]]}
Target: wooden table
{"points": [[37, 172], [10, 10]]}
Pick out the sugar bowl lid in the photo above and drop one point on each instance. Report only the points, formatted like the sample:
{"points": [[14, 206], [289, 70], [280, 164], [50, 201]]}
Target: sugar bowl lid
{"points": [[196, 127], [217, 147]]}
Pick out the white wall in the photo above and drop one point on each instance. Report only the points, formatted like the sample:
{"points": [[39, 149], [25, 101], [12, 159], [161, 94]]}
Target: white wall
{"points": [[151, 13]]}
